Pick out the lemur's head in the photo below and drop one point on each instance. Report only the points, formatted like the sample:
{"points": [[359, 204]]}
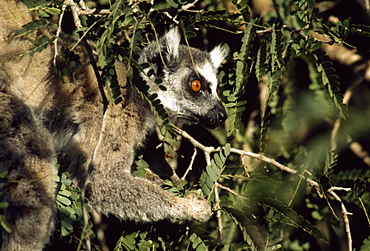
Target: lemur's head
{"points": [[190, 78]]}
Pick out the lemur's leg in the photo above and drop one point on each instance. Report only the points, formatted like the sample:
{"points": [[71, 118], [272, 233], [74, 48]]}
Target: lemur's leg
{"points": [[140, 200], [26, 154]]}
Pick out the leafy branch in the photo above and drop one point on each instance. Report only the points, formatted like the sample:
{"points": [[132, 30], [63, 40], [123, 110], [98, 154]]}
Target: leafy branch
{"points": [[207, 150]]}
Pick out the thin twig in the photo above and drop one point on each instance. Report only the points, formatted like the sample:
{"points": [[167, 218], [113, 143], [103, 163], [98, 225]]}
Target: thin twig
{"points": [[59, 30], [206, 149], [186, 7], [217, 208], [84, 187], [87, 12], [171, 17], [244, 166], [82, 4], [97, 74], [358, 150], [295, 192], [190, 167], [74, 8], [275, 163], [193, 141], [230, 191], [337, 124], [345, 215]]}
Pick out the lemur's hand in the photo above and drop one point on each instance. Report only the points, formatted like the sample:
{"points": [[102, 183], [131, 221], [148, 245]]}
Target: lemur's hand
{"points": [[198, 208]]}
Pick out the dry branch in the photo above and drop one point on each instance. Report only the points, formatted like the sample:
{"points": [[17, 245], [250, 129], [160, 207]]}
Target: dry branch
{"points": [[208, 150]]}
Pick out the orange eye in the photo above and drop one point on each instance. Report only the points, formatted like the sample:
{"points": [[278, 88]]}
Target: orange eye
{"points": [[196, 85], [218, 91]]}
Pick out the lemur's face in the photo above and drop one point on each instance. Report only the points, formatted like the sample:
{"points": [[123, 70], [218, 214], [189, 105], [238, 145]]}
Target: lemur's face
{"points": [[190, 78]]}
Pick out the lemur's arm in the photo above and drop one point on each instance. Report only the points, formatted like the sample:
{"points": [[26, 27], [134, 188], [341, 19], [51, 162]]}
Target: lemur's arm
{"points": [[140, 200]]}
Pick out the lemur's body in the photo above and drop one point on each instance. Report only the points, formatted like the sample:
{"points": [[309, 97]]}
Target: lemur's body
{"points": [[43, 121]]}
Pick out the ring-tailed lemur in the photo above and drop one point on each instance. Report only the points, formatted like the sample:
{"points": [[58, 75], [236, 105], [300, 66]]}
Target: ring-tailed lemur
{"points": [[43, 121]]}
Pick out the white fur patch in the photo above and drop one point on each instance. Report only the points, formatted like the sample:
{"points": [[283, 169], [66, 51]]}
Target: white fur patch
{"points": [[218, 54], [172, 39], [208, 72]]}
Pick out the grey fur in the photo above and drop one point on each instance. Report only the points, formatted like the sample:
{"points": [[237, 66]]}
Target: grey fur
{"points": [[43, 121]]}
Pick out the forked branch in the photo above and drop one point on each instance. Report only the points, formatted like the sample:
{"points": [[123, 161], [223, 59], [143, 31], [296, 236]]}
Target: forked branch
{"points": [[208, 150]]}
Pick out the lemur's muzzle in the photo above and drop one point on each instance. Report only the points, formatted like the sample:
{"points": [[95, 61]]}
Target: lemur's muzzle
{"points": [[215, 117]]}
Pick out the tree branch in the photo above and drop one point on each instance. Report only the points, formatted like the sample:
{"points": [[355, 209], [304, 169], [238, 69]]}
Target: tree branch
{"points": [[190, 167], [208, 150], [345, 213], [217, 208]]}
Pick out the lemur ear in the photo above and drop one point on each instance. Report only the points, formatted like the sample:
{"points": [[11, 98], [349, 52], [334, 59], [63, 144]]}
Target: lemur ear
{"points": [[171, 40], [218, 54]]}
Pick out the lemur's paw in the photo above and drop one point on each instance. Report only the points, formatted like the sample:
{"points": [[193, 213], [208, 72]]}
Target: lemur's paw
{"points": [[198, 208]]}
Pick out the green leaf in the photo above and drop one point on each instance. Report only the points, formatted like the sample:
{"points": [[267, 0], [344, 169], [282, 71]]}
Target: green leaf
{"points": [[360, 29], [365, 244], [324, 66], [197, 243], [32, 26], [53, 11], [173, 3], [261, 61], [213, 172], [4, 224], [3, 204], [290, 217], [38, 45], [63, 200]]}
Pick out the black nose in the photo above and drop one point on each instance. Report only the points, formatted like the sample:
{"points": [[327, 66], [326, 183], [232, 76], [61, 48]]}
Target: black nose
{"points": [[215, 117], [222, 116]]}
